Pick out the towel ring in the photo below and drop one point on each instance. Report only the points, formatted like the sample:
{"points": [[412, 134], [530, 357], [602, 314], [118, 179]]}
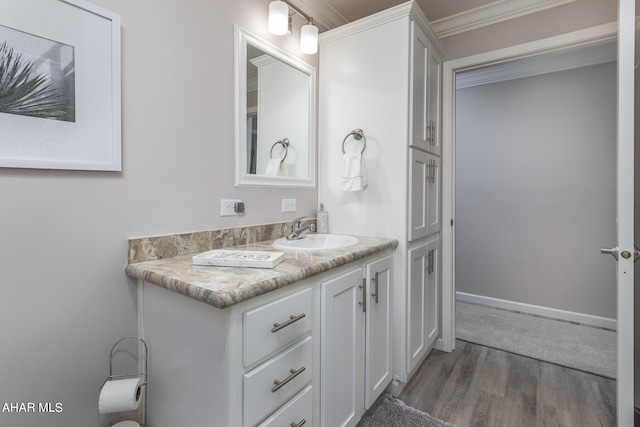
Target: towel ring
{"points": [[285, 144], [358, 134]]}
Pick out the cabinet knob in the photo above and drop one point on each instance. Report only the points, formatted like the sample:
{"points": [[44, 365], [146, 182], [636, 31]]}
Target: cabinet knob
{"points": [[300, 424]]}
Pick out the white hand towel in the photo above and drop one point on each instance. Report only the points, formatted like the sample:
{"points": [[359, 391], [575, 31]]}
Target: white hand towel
{"points": [[276, 167], [354, 174]]}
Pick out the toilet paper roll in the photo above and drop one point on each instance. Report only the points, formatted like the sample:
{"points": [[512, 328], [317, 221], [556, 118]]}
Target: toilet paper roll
{"points": [[126, 424], [120, 395]]}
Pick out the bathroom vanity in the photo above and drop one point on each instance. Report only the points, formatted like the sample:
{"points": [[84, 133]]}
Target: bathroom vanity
{"points": [[307, 342]]}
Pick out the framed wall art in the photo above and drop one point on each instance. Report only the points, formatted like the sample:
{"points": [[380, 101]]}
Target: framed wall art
{"points": [[59, 86]]}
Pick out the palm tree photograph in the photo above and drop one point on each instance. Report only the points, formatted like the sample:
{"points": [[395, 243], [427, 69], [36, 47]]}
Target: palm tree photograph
{"points": [[37, 76]]}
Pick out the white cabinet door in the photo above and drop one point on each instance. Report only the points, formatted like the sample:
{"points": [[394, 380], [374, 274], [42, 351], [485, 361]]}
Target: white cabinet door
{"points": [[424, 193], [433, 194], [378, 340], [425, 77], [433, 291], [423, 322], [419, 91], [418, 185], [341, 351], [433, 124], [416, 306]]}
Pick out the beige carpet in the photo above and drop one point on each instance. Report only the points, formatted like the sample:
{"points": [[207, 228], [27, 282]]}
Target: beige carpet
{"points": [[581, 347]]}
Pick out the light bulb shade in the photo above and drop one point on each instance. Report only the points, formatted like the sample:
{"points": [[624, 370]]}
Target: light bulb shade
{"points": [[309, 39], [278, 18]]}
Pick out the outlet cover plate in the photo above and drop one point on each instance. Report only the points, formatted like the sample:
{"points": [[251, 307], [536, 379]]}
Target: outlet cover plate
{"points": [[227, 207], [288, 205]]}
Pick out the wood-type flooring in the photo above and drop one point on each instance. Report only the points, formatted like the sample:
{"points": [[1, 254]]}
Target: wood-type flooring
{"points": [[479, 386]]}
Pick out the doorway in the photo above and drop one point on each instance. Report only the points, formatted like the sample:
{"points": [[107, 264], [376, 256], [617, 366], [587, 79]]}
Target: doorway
{"points": [[625, 127], [450, 71], [535, 185]]}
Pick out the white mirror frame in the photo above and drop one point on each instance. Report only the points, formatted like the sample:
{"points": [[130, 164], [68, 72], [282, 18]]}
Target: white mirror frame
{"points": [[243, 179]]}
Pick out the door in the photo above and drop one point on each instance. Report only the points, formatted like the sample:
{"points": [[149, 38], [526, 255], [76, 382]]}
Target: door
{"points": [[625, 192], [419, 177], [432, 291], [420, 124], [625, 211], [378, 340], [341, 351], [417, 306], [424, 191], [433, 194], [435, 79]]}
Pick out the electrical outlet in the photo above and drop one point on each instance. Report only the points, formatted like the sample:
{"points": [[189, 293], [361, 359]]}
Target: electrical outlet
{"points": [[288, 205], [228, 207]]}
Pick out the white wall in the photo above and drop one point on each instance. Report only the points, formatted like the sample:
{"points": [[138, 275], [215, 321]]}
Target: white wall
{"points": [[65, 298], [535, 190]]}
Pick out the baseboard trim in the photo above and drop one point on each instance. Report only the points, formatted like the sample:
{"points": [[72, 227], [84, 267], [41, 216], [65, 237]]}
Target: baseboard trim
{"points": [[438, 345], [553, 313]]}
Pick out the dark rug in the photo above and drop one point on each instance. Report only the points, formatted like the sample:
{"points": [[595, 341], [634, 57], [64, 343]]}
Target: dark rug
{"points": [[388, 411]]}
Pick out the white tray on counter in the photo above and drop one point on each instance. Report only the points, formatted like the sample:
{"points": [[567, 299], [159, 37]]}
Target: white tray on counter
{"points": [[238, 258]]}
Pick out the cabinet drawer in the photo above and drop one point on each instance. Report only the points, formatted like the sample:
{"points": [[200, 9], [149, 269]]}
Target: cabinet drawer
{"points": [[298, 411], [260, 398], [260, 335]]}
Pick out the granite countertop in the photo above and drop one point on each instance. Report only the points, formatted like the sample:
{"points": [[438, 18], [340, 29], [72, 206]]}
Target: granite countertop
{"points": [[223, 287]]}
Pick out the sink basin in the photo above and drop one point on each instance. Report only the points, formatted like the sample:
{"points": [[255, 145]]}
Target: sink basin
{"points": [[316, 242]]}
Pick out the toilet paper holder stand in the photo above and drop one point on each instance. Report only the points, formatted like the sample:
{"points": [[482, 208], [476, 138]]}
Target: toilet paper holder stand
{"points": [[142, 373]]}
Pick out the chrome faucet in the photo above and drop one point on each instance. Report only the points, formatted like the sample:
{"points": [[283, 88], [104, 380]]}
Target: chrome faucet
{"points": [[297, 229]]}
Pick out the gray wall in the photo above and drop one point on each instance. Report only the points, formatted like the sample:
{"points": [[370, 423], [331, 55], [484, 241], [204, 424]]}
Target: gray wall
{"points": [[535, 190], [64, 297]]}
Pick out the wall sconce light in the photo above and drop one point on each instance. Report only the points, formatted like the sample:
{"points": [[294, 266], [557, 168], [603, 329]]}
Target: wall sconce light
{"points": [[280, 24], [278, 18]]}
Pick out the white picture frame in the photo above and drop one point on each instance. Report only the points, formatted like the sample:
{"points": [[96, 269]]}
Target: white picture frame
{"points": [[74, 121]]}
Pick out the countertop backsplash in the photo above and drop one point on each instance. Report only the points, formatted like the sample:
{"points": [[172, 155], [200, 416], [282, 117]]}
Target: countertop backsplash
{"points": [[159, 247]]}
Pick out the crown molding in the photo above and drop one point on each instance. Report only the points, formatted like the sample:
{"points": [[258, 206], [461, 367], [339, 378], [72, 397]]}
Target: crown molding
{"points": [[407, 9], [491, 13], [322, 12], [365, 23], [532, 66]]}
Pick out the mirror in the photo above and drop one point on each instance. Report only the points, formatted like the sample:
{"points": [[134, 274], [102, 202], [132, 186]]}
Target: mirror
{"points": [[275, 95]]}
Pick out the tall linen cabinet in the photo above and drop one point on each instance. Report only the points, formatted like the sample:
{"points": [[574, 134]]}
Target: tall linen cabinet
{"points": [[382, 74]]}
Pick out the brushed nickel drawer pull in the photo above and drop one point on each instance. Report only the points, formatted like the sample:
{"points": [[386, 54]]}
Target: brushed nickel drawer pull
{"points": [[292, 319], [300, 424], [280, 384]]}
